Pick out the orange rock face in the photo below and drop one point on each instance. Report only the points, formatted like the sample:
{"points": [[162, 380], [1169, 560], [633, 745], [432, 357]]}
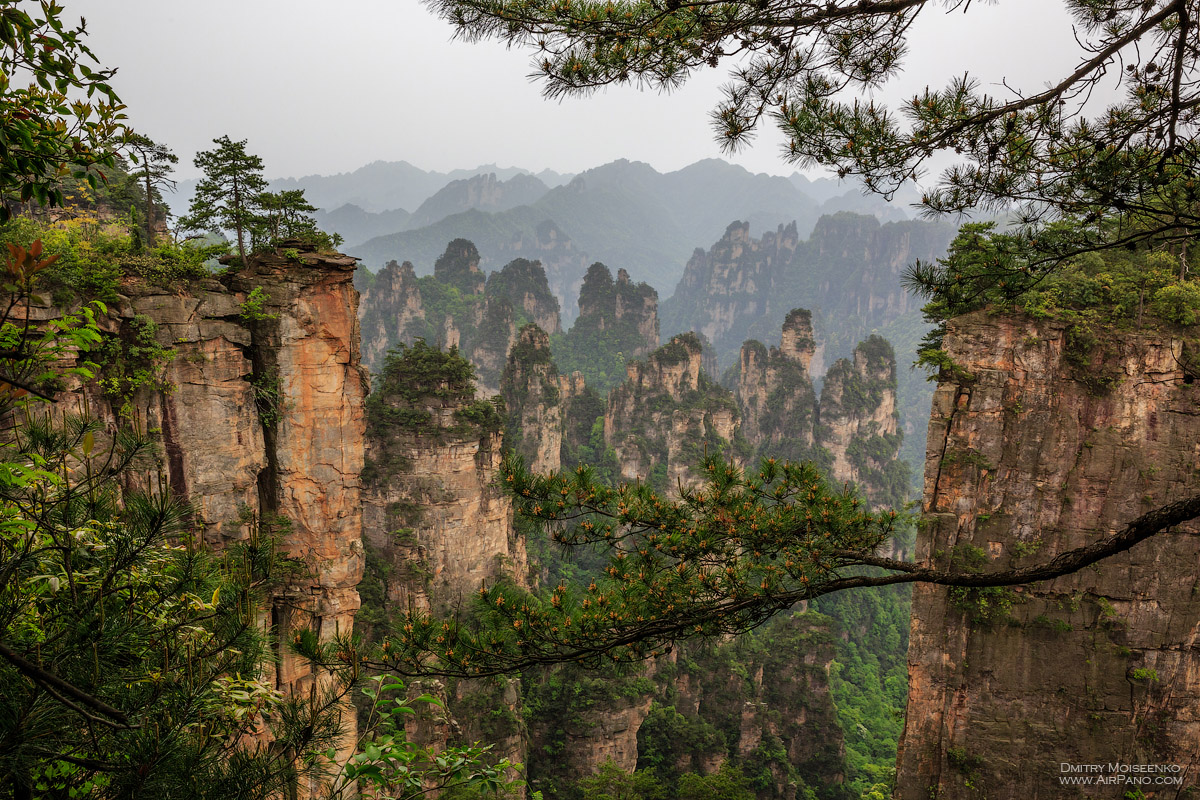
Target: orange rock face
{"points": [[1050, 446], [262, 418]]}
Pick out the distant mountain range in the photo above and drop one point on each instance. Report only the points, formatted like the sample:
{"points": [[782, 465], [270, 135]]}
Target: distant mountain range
{"points": [[625, 214], [378, 187]]}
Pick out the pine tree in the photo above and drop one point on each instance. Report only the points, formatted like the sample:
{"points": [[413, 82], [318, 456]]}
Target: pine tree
{"points": [[155, 163], [283, 215], [226, 199]]}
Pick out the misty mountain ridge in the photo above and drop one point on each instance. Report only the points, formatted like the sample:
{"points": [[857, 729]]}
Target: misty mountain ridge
{"points": [[624, 213], [378, 187]]}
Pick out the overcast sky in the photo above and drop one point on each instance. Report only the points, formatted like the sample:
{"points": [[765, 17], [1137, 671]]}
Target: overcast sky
{"points": [[319, 87]]}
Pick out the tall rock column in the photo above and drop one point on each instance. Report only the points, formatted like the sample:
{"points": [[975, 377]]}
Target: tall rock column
{"points": [[859, 424], [775, 394], [666, 414], [1045, 443], [437, 526], [535, 396], [309, 389]]}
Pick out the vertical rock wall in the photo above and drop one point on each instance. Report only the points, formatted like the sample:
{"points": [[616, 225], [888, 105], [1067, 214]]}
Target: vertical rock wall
{"points": [[437, 526], [309, 390], [537, 399], [1050, 445], [258, 406], [664, 414]]}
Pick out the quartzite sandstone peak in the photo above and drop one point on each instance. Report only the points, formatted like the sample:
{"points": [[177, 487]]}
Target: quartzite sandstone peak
{"points": [[1048, 446]]}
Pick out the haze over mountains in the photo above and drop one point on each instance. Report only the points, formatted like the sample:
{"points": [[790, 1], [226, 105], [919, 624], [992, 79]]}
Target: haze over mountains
{"points": [[625, 214]]}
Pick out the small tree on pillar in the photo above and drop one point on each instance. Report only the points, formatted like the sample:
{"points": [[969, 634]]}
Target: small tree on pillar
{"points": [[226, 198], [155, 163]]}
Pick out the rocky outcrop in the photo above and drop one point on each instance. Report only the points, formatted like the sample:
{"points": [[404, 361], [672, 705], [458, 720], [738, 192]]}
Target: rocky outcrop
{"points": [[252, 387], [432, 512], [761, 702], [775, 394], [259, 410], [564, 263], [391, 312], [849, 273], [735, 277], [436, 525], [858, 423], [667, 414], [458, 307], [523, 284], [458, 267], [537, 398], [619, 305], [1043, 442], [309, 390]]}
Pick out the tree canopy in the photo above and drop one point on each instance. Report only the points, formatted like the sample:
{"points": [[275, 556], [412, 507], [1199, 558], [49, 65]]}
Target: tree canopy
{"points": [[226, 197], [723, 558], [804, 65], [59, 116]]}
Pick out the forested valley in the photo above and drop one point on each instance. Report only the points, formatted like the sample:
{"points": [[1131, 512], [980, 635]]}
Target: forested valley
{"points": [[623, 484]]}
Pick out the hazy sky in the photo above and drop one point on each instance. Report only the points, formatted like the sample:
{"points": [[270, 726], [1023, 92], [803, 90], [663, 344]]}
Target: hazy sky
{"points": [[324, 87]]}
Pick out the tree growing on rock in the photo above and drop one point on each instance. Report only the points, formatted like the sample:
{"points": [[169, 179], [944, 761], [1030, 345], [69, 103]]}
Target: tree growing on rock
{"points": [[155, 162], [226, 198]]}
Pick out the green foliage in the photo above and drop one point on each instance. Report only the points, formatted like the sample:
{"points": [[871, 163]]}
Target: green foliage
{"points": [[93, 258], [520, 279], [269, 400], [155, 163], [602, 342], [254, 306], [387, 764], [226, 197], [458, 268], [61, 116], [869, 680], [1091, 291], [416, 383], [286, 215], [984, 606], [157, 656], [667, 739], [134, 361], [1178, 303], [610, 782], [784, 531], [1144, 674]]}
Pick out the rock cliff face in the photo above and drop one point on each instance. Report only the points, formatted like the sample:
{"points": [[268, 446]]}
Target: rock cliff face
{"points": [[309, 391], [848, 273], [744, 702], [1049, 446], [735, 277], [775, 393], [858, 423], [256, 397], [432, 512], [661, 419], [620, 305], [435, 524], [564, 262], [266, 417], [391, 308], [537, 399]]}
